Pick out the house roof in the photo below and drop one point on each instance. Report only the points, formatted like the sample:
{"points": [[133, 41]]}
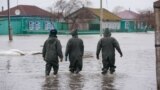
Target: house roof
{"points": [[127, 14], [91, 13], [107, 15], [26, 10]]}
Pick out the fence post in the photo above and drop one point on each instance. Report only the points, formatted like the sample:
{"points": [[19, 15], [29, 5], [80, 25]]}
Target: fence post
{"points": [[157, 40]]}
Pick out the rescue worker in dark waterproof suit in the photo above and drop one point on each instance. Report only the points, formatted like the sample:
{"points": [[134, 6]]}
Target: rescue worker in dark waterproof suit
{"points": [[51, 50], [75, 50], [108, 45]]}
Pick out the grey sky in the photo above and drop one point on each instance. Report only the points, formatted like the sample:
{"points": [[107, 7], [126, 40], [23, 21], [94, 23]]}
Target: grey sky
{"points": [[134, 5]]}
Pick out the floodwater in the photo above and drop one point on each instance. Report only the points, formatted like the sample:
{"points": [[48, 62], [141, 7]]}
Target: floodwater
{"points": [[135, 70]]}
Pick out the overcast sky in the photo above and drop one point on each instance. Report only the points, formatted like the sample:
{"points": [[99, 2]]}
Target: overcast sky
{"points": [[134, 5]]}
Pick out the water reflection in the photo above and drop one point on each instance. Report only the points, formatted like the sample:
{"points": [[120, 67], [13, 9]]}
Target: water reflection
{"points": [[76, 82], [108, 82], [8, 66], [51, 83]]}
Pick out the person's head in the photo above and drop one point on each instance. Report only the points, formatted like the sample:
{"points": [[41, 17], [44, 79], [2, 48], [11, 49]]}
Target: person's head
{"points": [[74, 33], [107, 33], [53, 33]]}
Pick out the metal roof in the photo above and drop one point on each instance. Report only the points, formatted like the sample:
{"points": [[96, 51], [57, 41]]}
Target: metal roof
{"points": [[27, 10]]}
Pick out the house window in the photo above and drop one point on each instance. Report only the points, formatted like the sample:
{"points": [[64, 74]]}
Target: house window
{"points": [[31, 25], [37, 25], [34, 25], [48, 25]]}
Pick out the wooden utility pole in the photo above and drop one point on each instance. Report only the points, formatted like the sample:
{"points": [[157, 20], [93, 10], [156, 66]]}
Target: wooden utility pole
{"points": [[101, 18], [157, 40], [9, 24]]}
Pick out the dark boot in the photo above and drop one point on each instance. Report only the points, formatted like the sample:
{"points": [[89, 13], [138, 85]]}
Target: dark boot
{"points": [[77, 71], [112, 69], [71, 70], [55, 72], [55, 68], [47, 73], [104, 71]]}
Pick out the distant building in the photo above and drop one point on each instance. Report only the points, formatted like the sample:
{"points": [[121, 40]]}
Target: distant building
{"points": [[89, 19], [130, 21], [27, 19]]}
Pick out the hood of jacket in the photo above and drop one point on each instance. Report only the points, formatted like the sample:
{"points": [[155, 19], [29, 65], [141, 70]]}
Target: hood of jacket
{"points": [[107, 33]]}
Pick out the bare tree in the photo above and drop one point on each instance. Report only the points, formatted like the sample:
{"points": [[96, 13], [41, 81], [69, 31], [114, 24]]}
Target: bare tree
{"points": [[61, 5], [72, 5], [118, 9], [147, 17], [66, 7]]}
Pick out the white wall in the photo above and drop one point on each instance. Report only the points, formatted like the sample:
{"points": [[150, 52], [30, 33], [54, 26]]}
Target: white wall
{"points": [[111, 24]]}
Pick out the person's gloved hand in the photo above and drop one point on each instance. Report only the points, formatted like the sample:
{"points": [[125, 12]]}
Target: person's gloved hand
{"points": [[61, 60], [121, 55], [97, 57], [44, 59], [66, 58]]}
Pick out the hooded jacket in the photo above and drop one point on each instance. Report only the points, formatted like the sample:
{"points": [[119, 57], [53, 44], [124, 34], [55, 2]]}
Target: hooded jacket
{"points": [[108, 45], [75, 47], [52, 49]]}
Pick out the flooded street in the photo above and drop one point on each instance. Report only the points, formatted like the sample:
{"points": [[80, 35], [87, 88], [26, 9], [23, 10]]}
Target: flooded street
{"points": [[135, 70]]}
